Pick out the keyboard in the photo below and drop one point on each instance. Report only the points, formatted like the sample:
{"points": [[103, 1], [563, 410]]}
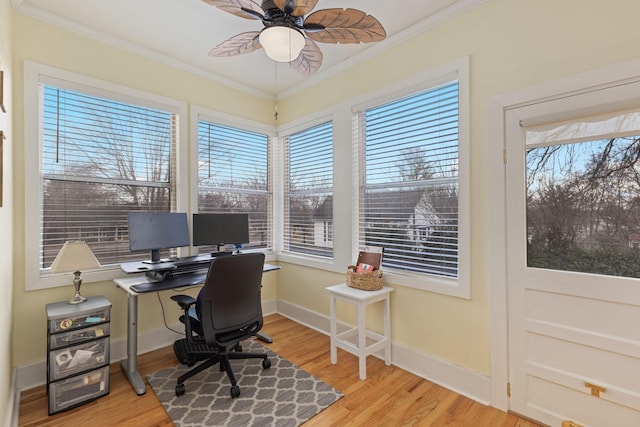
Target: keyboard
{"points": [[192, 260], [183, 280], [190, 268]]}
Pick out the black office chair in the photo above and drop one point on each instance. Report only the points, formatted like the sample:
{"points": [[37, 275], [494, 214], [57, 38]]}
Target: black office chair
{"points": [[228, 310]]}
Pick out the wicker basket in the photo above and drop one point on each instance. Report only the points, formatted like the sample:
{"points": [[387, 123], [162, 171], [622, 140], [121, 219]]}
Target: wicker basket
{"points": [[371, 281]]}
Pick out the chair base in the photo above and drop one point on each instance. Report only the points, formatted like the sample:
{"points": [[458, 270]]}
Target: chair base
{"points": [[191, 353], [188, 353]]}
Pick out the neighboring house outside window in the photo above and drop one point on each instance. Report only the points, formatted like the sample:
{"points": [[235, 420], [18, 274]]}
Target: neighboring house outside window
{"points": [[323, 223], [408, 153], [308, 192]]}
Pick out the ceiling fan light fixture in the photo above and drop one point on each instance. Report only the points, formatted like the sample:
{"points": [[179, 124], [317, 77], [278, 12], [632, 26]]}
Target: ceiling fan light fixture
{"points": [[282, 43]]}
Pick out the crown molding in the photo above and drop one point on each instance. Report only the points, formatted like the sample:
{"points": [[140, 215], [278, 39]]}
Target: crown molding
{"points": [[433, 21], [83, 30], [376, 49]]}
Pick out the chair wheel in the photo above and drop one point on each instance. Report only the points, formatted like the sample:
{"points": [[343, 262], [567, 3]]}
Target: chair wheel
{"points": [[179, 389], [235, 391], [238, 348], [190, 362], [266, 364]]}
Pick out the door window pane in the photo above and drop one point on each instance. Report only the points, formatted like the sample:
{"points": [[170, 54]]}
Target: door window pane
{"points": [[583, 206]]}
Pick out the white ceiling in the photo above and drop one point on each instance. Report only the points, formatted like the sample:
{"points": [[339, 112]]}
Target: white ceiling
{"points": [[182, 32]]}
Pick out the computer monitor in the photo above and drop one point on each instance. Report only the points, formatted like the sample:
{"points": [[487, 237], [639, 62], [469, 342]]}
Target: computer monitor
{"points": [[153, 231], [219, 229]]}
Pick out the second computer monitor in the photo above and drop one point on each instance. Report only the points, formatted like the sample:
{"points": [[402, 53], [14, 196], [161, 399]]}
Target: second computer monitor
{"points": [[219, 229]]}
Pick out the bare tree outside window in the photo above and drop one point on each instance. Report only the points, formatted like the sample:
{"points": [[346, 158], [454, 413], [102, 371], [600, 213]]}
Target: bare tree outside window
{"points": [[409, 200], [233, 177], [583, 207], [308, 219], [101, 159]]}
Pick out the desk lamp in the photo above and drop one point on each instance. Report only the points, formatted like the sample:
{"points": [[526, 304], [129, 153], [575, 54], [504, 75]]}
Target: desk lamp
{"points": [[75, 256]]}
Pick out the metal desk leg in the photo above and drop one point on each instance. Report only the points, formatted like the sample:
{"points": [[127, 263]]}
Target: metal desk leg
{"points": [[130, 365]]}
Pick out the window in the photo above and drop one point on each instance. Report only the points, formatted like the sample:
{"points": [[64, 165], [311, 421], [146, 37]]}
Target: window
{"points": [[101, 159], [582, 194], [99, 152], [308, 193], [409, 153], [234, 176]]}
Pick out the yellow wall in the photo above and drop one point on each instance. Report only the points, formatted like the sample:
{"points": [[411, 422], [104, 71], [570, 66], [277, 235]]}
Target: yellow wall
{"points": [[41, 43], [6, 210], [511, 43]]}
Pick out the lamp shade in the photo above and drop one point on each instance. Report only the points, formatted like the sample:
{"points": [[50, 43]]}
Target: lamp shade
{"points": [[281, 43], [74, 256]]}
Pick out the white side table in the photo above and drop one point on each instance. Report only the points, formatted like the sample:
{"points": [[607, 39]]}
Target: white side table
{"points": [[360, 298]]}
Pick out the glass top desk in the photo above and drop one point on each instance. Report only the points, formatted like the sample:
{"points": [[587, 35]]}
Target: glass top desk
{"points": [[140, 284]]}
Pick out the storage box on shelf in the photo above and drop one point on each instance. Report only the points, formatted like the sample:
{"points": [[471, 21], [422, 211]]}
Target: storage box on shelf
{"points": [[77, 352]]}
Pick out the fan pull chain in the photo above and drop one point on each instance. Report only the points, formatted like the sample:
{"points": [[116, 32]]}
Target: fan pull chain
{"points": [[275, 113]]}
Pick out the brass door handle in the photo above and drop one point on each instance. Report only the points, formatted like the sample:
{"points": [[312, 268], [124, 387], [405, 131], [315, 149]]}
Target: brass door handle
{"points": [[595, 389], [568, 423]]}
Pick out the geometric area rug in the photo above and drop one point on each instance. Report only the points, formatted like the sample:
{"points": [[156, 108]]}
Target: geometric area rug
{"points": [[283, 395]]}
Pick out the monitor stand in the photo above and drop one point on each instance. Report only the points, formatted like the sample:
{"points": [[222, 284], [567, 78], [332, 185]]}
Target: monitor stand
{"points": [[218, 252], [155, 257]]}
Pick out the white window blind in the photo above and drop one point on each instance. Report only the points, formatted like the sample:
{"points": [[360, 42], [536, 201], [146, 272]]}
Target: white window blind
{"points": [[591, 128], [234, 177], [101, 159], [308, 194], [408, 154]]}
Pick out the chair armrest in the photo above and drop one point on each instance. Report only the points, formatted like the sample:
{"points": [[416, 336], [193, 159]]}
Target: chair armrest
{"points": [[187, 303], [184, 301]]}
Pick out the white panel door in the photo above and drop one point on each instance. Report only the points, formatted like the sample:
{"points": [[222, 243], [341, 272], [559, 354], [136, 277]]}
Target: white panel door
{"points": [[573, 212]]}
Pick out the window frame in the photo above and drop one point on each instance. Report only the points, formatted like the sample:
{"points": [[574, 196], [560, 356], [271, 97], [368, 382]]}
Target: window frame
{"points": [[34, 75], [456, 70], [202, 113], [340, 122], [285, 141]]}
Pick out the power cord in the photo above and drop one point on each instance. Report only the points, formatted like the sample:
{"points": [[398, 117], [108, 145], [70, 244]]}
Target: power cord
{"points": [[164, 317]]}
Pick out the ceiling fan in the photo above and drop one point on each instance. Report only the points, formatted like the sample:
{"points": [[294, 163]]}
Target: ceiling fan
{"points": [[285, 28]]}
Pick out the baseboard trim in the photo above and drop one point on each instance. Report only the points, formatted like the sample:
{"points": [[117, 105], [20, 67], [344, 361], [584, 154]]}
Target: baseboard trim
{"points": [[13, 405], [457, 378], [35, 374]]}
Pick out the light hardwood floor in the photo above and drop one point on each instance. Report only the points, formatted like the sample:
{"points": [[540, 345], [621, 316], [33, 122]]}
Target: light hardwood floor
{"points": [[389, 397]]}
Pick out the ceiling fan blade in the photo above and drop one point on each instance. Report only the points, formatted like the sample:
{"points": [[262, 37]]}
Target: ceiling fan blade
{"points": [[243, 8], [238, 45], [309, 60], [296, 7], [343, 26]]}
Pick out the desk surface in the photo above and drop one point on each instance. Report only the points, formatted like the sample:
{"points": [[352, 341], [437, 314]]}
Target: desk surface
{"points": [[183, 280]]}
